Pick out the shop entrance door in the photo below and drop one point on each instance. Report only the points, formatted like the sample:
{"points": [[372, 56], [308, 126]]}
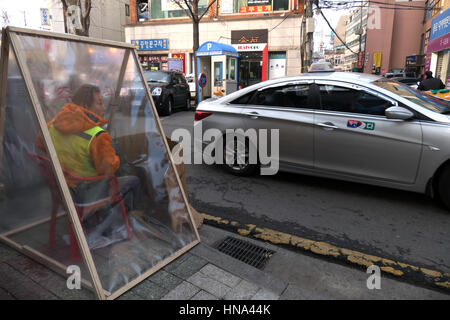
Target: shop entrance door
{"points": [[250, 68]]}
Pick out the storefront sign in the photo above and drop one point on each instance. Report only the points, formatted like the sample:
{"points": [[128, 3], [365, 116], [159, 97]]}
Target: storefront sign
{"points": [[277, 65], [439, 44], [360, 59], [181, 56], [411, 60], [258, 2], [151, 44], [440, 26], [249, 36], [255, 9], [250, 47], [45, 18]]}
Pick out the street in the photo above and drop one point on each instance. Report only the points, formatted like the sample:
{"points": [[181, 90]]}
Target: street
{"points": [[392, 224]]}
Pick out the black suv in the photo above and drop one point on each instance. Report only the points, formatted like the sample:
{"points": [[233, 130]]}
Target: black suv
{"points": [[169, 90]]}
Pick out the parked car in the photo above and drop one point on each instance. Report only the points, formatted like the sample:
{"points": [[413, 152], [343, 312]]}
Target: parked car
{"points": [[169, 90], [191, 83], [400, 74], [349, 126]]}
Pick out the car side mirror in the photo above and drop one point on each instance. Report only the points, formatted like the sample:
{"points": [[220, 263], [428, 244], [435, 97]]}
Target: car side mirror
{"points": [[398, 113]]}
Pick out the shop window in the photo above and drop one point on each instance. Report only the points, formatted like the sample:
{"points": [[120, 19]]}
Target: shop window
{"points": [[142, 10]]}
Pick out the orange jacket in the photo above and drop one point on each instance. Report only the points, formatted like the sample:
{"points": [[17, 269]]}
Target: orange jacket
{"points": [[74, 119]]}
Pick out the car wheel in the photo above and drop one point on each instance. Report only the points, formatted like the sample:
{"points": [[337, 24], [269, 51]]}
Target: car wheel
{"points": [[168, 107], [443, 187], [235, 163]]}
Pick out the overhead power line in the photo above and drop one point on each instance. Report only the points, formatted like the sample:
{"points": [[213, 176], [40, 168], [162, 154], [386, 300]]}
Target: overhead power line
{"points": [[332, 29]]}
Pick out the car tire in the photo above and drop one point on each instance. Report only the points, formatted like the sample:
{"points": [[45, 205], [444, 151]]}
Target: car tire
{"points": [[245, 169], [168, 107], [443, 187]]}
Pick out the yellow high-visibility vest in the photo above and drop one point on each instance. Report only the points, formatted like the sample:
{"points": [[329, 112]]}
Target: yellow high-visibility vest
{"points": [[73, 150]]}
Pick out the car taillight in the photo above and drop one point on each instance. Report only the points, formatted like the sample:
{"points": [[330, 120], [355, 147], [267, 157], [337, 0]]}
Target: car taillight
{"points": [[201, 115]]}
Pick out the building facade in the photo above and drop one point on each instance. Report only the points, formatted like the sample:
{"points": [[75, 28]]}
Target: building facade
{"points": [[393, 34], [435, 43], [355, 36], [266, 33], [107, 18]]}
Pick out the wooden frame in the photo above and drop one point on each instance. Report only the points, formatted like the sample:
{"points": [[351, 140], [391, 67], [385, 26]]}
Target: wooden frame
{"points": [[10, 38]]}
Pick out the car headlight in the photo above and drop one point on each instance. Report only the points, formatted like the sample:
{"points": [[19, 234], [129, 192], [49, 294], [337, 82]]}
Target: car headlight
{"points": [[156, 91]]}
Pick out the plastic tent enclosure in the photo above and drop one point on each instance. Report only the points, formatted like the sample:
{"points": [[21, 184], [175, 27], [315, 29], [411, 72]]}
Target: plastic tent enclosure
{"points": [[116, 239]]}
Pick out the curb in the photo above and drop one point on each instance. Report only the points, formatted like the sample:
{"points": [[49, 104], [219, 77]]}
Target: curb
{"points": [[397, 269]]}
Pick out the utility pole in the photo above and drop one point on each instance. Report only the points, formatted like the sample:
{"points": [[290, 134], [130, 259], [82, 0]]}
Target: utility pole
{"points": [[307, 35]]}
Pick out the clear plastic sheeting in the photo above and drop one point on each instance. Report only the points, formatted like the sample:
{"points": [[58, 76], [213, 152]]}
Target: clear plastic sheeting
{"points": [[103, 128]]}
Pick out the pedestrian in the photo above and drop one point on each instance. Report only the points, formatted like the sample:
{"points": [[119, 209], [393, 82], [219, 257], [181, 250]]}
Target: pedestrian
{"points": [[430, 83]]}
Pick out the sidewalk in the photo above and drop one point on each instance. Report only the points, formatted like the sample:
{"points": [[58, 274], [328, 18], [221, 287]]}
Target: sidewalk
{"points": [[204, 273]]}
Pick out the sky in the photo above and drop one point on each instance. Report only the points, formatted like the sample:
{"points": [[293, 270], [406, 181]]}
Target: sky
{"points": [[322, 31], [22, 13]]}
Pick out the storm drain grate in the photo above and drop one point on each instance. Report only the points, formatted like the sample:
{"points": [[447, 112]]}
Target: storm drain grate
{"points": [[245, 252]]}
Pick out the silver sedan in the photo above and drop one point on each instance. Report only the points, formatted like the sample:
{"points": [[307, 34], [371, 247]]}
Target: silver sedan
{"points": [[348, 126]]}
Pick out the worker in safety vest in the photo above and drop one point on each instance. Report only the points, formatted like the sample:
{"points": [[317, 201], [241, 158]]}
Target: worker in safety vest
{"points": [[83, 146], [85, 149]]}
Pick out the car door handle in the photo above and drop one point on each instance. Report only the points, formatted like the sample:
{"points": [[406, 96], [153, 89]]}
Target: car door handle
{"points": [[253, 115], [327, 126]]}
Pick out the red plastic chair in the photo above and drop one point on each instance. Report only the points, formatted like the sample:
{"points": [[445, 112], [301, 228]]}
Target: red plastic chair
{"points": [[115, 197]]}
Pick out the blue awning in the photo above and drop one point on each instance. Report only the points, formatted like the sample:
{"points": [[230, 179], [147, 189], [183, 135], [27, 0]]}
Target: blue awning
{"points": [[211, 48]]}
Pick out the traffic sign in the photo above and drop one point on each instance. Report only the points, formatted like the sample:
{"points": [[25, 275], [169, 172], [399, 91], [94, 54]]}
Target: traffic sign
{"points": [[202, 80]]}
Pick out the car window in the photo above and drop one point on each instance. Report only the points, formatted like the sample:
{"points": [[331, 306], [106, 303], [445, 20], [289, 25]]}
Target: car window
{"points": [[340, 99], [243, 99], [294, 96], [157, 76]]}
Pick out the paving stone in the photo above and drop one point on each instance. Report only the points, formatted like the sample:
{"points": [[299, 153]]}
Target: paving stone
{"points": [[176, 263], [220, 275], [184, 291], [212, 286], [5, 295], [165, 280], [264, 294], [130, 296], [203, 295], [188, 267], [22, 287], [149, 290], [48, 279], [7, 253], [243, 291]]}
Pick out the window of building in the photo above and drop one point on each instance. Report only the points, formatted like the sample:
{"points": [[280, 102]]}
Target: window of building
{"points": [[166, 9], [127, 10], [253, 6], [340, 99]]}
